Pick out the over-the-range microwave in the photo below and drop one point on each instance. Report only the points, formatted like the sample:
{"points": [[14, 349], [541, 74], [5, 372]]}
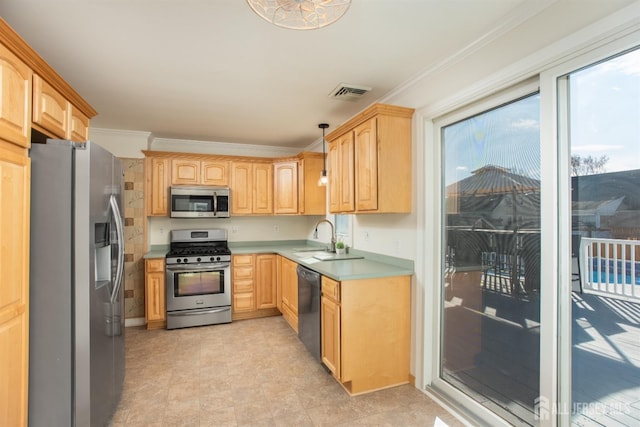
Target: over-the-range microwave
{"points": [[199, 202]]}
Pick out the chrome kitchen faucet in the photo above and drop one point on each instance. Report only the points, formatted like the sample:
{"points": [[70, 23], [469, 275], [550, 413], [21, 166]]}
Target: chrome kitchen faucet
{"points": [[332, 248]]}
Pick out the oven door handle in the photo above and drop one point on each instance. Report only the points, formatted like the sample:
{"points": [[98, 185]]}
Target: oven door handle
{"points": [[198, 267], [197, 312]]}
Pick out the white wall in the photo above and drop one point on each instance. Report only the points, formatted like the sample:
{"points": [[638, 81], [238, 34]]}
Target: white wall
{"points": [[121, 143], [239, 228]]}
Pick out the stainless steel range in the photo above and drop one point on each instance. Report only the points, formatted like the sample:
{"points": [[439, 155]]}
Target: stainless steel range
{"points": [[198, 269]]}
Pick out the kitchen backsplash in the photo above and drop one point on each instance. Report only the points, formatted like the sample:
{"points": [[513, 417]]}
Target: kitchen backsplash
{"points": [[134, 237]]}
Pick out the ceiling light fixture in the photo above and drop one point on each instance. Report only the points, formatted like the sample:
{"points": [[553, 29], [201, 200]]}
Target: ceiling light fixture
{"points": [[323, 175], [300, 14]]}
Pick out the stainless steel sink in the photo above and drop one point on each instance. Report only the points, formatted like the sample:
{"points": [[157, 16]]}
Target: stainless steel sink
{"points": [[325, 256]]}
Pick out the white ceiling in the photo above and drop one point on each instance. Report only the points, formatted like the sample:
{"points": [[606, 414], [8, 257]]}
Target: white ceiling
{"points": [[212, 70]]}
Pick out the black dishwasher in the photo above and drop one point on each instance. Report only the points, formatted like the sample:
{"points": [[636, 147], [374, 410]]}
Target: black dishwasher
{"points": [[309, 310]]}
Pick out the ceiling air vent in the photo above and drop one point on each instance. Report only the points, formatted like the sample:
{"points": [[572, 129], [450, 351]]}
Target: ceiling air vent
{"points": [[348, 92]]}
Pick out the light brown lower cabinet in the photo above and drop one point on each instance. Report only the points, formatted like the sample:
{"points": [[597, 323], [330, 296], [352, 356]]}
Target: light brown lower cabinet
{"points": [[288, 280], [253, 287], [155, 293], [365, 328], [15, 170]]}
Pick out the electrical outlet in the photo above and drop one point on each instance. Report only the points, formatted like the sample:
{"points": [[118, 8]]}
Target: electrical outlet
{"points": [[234, 228], [276, 229], [161, 231], [366, 235]]}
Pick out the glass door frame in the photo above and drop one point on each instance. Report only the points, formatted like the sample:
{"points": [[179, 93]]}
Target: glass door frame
{"points": [[555, 260], [433, 251]]}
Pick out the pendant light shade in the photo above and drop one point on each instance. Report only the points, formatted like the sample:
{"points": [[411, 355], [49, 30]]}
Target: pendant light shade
{"points": [[324, 179], [300, 14]]}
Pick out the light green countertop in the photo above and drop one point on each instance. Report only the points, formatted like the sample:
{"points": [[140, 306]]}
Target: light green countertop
{"points": [[371, 266], [157, 251]]}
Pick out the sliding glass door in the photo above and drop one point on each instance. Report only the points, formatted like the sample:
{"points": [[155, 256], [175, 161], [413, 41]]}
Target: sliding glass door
{"points": [[490, 295], [604, 138], [538, 283]]}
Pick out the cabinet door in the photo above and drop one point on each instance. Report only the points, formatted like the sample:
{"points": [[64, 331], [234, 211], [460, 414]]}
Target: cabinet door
{"points": [[279, 282], [265, 281], [15, 99], [241, 188], [290, 293], [50, 109], [215, 172], [155, 297], [346, 175], [312, 198], [78, 129], [286, 188], [330, 330], [14, 292], [334, 177], [366, 166], [262, 188], [157, 172], [185, 172]]}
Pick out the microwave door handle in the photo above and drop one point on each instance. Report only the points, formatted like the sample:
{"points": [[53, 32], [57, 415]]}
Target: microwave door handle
{"points": [[215, 204]]}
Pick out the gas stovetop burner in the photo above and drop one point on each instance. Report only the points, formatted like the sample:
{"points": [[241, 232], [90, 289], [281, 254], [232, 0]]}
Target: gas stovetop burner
{"points": [[198, 246]]}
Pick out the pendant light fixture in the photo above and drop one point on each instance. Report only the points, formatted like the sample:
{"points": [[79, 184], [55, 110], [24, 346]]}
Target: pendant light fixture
{"points": [[324, 179], [300, 14]]}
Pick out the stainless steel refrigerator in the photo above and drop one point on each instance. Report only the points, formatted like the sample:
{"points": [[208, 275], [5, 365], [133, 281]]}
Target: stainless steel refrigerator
{"points": [[76, 330]]}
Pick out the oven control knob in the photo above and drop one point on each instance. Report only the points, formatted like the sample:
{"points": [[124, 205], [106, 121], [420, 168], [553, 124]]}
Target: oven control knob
{"points": [[199, 260], [218, 259], [212, 259], [179, 260], [185, 260]]}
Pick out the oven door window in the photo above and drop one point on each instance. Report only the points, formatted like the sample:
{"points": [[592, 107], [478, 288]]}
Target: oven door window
{"points": [[184, 203], [198, 283]]}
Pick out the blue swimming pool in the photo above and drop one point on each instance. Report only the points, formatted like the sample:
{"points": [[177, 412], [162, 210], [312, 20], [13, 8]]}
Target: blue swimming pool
{"points": [[612, 277]]}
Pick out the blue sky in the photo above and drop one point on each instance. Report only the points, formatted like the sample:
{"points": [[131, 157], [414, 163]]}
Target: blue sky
{"points": [[507, 136], [605, 111], [605, 120]]}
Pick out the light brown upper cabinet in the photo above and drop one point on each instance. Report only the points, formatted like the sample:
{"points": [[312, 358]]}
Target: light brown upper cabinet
{"points": [[285, 187], [341, 174], [157, 186], [15, 99], [200, 172], [296, 189], [50, 109], [78, 129], [370, 162], [55, 116], [251, 188]]}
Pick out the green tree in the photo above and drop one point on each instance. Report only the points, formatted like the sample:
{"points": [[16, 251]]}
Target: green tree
{"points": [[588, 165]]}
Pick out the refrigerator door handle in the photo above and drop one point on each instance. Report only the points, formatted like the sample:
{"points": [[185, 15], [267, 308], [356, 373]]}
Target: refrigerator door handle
{"points": [[120, 234]]}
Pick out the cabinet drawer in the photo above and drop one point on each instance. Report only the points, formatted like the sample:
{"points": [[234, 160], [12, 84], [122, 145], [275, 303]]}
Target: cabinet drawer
{"points": [[243, 302], [155, 265], [242, 260], [240, 286], [242, 273], [331, 288]]}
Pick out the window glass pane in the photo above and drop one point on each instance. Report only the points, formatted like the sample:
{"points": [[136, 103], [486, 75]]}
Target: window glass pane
{"points": [[491, 277], [604, 110]]}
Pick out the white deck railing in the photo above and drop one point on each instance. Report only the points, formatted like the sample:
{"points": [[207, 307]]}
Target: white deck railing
{"points": [[609, 267]]}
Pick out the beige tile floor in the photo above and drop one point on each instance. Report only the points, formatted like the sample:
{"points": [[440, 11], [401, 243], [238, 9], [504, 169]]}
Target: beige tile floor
{"points": [[251, 372]]}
